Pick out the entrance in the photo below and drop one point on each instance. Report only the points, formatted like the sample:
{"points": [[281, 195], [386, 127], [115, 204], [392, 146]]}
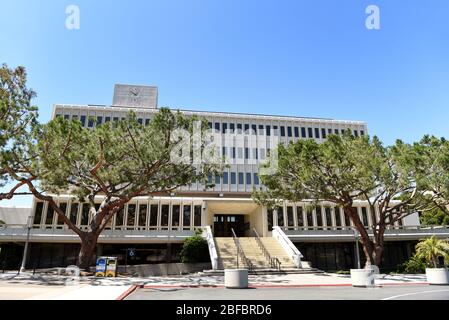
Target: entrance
{"points": [[224, 223]]}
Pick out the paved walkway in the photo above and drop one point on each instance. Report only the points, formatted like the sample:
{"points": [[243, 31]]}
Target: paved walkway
{"points": [[49, 287]]}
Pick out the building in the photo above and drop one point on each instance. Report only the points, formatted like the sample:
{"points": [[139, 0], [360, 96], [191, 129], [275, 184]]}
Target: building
{"points": [[155, 228]]}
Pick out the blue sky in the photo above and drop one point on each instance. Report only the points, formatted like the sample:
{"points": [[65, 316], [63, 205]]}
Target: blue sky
{"points": [[310, 58]]}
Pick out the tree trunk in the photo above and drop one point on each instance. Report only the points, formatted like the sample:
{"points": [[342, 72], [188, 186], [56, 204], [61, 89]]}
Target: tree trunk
{"points": [[378, 253], [88, 247]]}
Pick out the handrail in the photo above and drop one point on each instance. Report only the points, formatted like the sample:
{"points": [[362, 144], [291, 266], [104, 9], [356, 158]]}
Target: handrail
{"points": [[211, 244], [273, 261], [241, 253]]}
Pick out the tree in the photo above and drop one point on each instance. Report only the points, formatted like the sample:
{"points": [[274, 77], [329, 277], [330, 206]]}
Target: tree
{"points": [[17, 119], [341, 170], [431, 248], [116, 161]]}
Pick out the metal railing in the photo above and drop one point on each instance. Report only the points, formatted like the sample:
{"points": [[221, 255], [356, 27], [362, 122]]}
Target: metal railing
{"points": [[273, 261], [333, 228], [241, 253]]}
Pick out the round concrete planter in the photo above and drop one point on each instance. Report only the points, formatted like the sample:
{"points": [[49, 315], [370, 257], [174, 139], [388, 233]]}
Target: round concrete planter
{"points": [[362, 277], [236, 278], [437, 275]]}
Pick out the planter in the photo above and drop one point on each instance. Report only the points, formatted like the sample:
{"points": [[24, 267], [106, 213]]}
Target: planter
{"points": [[362, 277], [236, 278], [437, 275]]}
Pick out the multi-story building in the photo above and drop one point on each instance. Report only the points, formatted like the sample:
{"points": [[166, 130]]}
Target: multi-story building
{"points": [[156, 227]]}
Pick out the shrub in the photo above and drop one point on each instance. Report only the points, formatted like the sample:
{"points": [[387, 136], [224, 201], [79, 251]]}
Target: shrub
{"points": [[413, 266], [195, 249], [430, 249]]}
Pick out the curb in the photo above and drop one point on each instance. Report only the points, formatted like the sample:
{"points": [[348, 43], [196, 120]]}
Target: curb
{"points": [[127, 292]]}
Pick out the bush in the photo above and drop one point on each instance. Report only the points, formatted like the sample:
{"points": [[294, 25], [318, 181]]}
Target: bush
{"points": [[413, 266], [195, 249]]}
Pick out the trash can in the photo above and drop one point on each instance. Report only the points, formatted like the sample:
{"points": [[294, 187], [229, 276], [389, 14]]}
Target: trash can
{"points": [[100, 267], [111, 267]]}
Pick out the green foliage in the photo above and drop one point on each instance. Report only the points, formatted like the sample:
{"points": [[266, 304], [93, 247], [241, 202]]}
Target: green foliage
{"points": [[415, 265], [2, 222], [195, 249], [434, 217], [430, 249]]}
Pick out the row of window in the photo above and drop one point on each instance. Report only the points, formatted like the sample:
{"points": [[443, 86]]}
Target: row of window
{"points": [[155, 216], [283, 131], [231, 128], [243, 178], [319, 217]]}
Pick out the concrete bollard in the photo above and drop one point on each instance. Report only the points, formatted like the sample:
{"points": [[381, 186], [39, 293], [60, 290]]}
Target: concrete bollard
{"points": [[236, 278]]}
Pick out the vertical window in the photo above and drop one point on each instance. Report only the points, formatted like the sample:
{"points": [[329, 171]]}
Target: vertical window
{"points": [[231, 127], [309, 218], [85, 215], [365, 217], [270, 219], [107, 119], [119, 219], [99, 120], [74, 213], [323, 133], [115, 119], [197, 216], [241, 178], [143, 215], [328, 217], [233, 152], [131, 218], [319, 217], [296, 132], [290, 218], [217, 179], [289, 132], [268, 131], [176, 215], [280, 217], [337, 216], [299, 216], [187, 212], [83, 121], [153, 215], [261, 130], [38, 213], [310, 131], [147, 122], [224, 128], [233, 178], [246, 153], [253, 129], [223, 150], [362, 133], [140, 121], [246, 128], [239, 128], [303, 132], [347, 220], [225, 178], [336, 131], [248, 179], [90, 122], [282, 131], [255, 154], [217, 127], [256, 179], [356, 133], [66, 117], [317, 133], [63, 207], [209, 178], [209, 124], [164, 215], [275, 131]]}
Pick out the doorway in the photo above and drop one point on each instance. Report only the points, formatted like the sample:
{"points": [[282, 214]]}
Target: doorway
{"points": [[224, 223]]}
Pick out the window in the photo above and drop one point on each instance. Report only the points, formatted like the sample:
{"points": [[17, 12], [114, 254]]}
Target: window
{"points": [[225, 178], [217, 126], [246, 153], [319, 217], [223, 151], [356, 133], [328, 217], [209, 178], [231, 127], [280, 217], [233, 178], [246, 128], [153, 215], [224, 128], [254, 129], [176, 215], [336, 131], [85, 215], [140, 121], [282, 131], [197, 216], [270, 219], [329, 131], [239, 128], [143, 215], [187, 212], [131, 218], [240, 153], [217, 179], [233, 152], [63, 207], [241, 178], [90, 122], [290, 218], [83, 121], [275, 129], [296, 132], [165, 209], [115, 119], [66, 117], [299, 216], [268, 131], [289, 132], [362, 133], [261, 130], [317, 133], [303, 132], [248, 179], [256, 179], [310, 132], [347, 220], [337, 216], [107, 119], [209, 124], [255, 154], [323, 133], [38, 213], [147, 122], [309, 218], [74, 213], [365, 217]]}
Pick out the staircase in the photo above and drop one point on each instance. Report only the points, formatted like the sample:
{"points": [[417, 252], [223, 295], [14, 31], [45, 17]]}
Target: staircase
{"points": [[227, 253], [276, 250]]}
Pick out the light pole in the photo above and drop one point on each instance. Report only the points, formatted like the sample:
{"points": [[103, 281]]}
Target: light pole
{"points": [[25, 250], [357, 248]]}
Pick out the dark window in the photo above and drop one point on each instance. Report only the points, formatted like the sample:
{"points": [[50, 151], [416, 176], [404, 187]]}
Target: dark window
{"points": [[63, 207], [282, 131], [365, 217], [246, 128], [233, 152], [74, 213], [303, 132], [147, 121], [176, 215], [281, 217], [356, 133], [186, 215], [248, 178], [83, 121], [256, 179], [323, 133], [165, 209], [38, 213], [197, 216], [209, 178], [328, 217], [224, 128], [153, 215], [140, 121], [299, 216], [289, 132], [310, 131], [336, 131], [66, 116], [253, 129], [275, 129], [362, 133], [241, 176], [225, 178], [209, 124], [261, 130], [268, 131], [217, 179], [319, 217], [85, 215], [296, 132], [223, 151], [347, 220], [337, 216], [317, 133], [290, 218], [270, 219], [246, 153], [107, 119], [131, 218], [239, 128], [232, 127], [309, 218], [115, 119], [143, 215], [233, 178], [58, 115], [90, 123]]}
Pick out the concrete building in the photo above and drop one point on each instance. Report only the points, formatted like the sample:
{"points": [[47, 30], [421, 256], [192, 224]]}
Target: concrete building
{"points": [[156, 227]]}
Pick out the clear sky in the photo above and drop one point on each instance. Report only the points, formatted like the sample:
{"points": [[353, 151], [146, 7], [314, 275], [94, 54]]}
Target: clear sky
{"points": [[310, 58]]}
